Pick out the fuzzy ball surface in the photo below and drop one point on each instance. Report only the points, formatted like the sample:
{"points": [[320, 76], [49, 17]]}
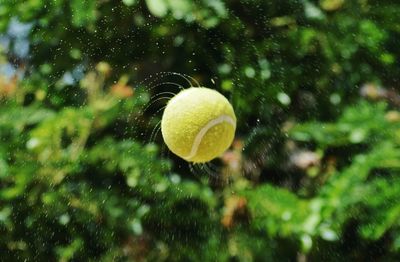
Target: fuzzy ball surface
{"points": [[198, 124]]}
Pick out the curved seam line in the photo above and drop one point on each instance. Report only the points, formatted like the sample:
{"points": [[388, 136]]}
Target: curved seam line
{"points": [[204, 130]]}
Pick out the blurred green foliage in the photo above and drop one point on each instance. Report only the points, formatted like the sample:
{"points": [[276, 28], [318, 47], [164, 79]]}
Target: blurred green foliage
{"points": [[313, 172]]}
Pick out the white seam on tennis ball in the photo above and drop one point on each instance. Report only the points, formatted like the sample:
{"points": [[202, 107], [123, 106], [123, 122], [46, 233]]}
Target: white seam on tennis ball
{"points": [[203, 131]]}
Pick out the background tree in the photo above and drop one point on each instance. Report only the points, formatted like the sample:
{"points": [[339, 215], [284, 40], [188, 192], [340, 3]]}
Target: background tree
{"points": [[312, 173]]}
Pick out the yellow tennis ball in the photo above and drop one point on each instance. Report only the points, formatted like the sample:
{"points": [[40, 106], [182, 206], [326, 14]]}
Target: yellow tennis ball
{"points": [[198, 124]]}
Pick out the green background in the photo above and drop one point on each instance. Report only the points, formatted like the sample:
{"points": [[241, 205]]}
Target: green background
{"points": [[313, 174]]}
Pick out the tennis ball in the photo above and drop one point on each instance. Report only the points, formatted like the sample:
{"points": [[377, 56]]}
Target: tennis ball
{"points": [[198, 124]]}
